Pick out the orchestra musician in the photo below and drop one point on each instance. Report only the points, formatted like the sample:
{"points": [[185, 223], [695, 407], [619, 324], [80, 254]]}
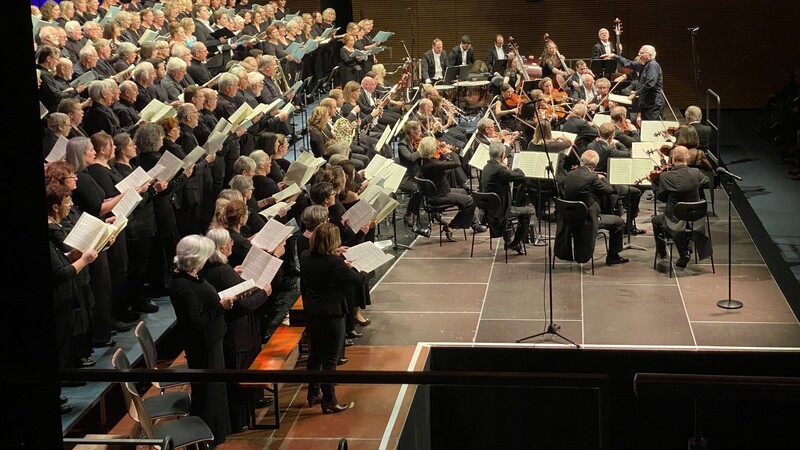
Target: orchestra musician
{"points": [[576, 79], [576, 123], [585, 93], [434, 163], [462, 54], [551, 61], [368, 102], [600, 103], [605, 46], [680, 184], [606, 147], [498, 51], [583, 184], [434, 62], [508, 105], [625, 132], [496, 178], [408, 157], [693, 115], [649, 89]]}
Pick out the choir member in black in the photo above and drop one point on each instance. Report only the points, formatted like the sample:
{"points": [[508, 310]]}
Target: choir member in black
{"points": [[244, 184], [100, 116], [349, 66], [200, 315], [64, 276], [681, 183], [324, 282], [435, 162], [60, 222], [584, 185], [72, 108], [150, 140], [58, 127], [90, 198], [141, 227], [125, 107], [649, 89], [242, 341], [233, 216]]}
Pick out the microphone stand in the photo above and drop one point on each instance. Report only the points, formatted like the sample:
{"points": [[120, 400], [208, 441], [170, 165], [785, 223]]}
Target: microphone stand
{"points": [[552, 327], [696, 62], [729, 303], [413, 37]]}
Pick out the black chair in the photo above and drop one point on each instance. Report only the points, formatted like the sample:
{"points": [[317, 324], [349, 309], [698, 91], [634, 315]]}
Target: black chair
{"points": [[428, 189], [575, 211], [689, 212], [330, 80], [164, 406], [151, 356], [490, 200]]}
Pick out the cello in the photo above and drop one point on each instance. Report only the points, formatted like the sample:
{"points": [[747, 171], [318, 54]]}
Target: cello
{"points": [[560, 79]]}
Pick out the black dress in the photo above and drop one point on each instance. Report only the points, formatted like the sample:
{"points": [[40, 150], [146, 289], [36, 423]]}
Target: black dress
{"points": [[242, 341], [201, 324]]}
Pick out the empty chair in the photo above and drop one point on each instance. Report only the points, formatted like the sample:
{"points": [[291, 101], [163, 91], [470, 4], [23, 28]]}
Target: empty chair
{"points": [[151, 357], [185, 432], [164, 406]]}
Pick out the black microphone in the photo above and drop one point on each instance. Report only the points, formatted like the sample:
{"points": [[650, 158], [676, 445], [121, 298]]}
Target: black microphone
{"points": [[693, 29], [732, 175]]}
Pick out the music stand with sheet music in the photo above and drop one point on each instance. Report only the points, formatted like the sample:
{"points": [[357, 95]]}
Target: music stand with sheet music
{"points": [[629, 172], [450, 75], [499, 66]]}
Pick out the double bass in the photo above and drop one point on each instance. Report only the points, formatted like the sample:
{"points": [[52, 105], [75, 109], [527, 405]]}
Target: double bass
{"points": [[561, 80]]}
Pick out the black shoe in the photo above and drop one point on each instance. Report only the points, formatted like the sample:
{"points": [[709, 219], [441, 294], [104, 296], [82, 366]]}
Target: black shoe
{"points": [[517, 248], [635, 231], [682, 262], [314, 399], [479, 228], [67, 408], [88, 362], [408, 219], [610, 261], [128, 316], [448, 235], [329, 408], [348, 343], [146, 308], [241, 429], [342, 361], [354, 334], [121, 327], [63, 400], [264, 402], [424, 232], [108, 343]]}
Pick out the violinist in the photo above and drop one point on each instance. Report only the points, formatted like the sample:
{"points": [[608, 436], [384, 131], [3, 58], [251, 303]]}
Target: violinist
{"points": [[435, 163], [606, 147], [543, 140], [695, 157], [576, 123], [508, 105], [680, 184], [625, 131], [693, 115], [408, 157], [600, 103]]}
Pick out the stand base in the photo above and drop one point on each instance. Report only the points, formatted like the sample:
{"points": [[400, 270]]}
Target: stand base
{"points": [[551, 329], [401, 246], [627, 246], [730, 304]]}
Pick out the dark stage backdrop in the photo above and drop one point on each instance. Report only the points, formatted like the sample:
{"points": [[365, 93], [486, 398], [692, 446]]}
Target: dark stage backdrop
{"points": [[745, 47]]}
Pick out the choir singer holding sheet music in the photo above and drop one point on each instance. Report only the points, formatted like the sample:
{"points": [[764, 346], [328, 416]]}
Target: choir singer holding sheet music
{"points": [[325, 279]]}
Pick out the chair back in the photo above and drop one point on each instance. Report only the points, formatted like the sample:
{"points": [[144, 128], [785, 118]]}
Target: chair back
{"points": [[143, 415], [426, 187], [486, 200], [148, 346], [120, 361], [571, 210], [691, 211]]}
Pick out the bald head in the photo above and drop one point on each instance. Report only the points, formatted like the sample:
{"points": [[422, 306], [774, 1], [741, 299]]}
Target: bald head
{"points": [[590, 158], [679, 155]]}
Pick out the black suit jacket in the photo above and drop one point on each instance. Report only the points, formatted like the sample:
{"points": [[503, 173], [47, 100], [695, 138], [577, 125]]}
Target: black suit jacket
{"points": [[199, 72], [429, 64], [200, 318], [496, 178], [325, 281], [583, 185], [703, 133], [494, 57], [598, 49], [586, 133], [456, 56], [682, 184], [605, 151]]}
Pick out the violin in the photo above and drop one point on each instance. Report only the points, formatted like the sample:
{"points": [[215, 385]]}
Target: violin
{"points": [[513, 101], [669, 131], [442, 149], [555, 111]]}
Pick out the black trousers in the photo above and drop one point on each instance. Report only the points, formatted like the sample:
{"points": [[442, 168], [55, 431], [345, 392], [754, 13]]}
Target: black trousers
{"points": [[326, 335], [616, 227], [465, 204]]}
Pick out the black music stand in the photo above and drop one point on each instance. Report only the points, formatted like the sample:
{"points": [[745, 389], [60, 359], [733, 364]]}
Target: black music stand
{"points": [[463, 72], [499, 66], [450, 74], [552, 327], [603, 68]]}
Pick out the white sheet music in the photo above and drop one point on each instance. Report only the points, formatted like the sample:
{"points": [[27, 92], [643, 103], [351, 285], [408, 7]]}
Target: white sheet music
{"points": [[271, 235], [273, 210], [651, 130], [370, 192], [42, 110], [214, 142], [240, 114], [155, 171], [223, 126], [629, 170], [238, 289], [289, 191], [137, 178], [360, 214], [59, 150], [193, 157], [260, 266], [640, 149], [310, 160], [619, 99], [392, 175], [367, 257], [533, 164], [171, 164], [128, 203], [288, 109], [86, 233], [299, 173], [480, 157], [377, 164], [565, 135], [384, 138], [600, 119]]}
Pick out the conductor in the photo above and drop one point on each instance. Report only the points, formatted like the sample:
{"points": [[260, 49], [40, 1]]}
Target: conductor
{"points": [[651, 81]]}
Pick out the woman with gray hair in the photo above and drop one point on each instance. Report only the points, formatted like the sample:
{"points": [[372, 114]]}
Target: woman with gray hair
{"points": [[201, 324], [58, 126], [242, 341]]}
